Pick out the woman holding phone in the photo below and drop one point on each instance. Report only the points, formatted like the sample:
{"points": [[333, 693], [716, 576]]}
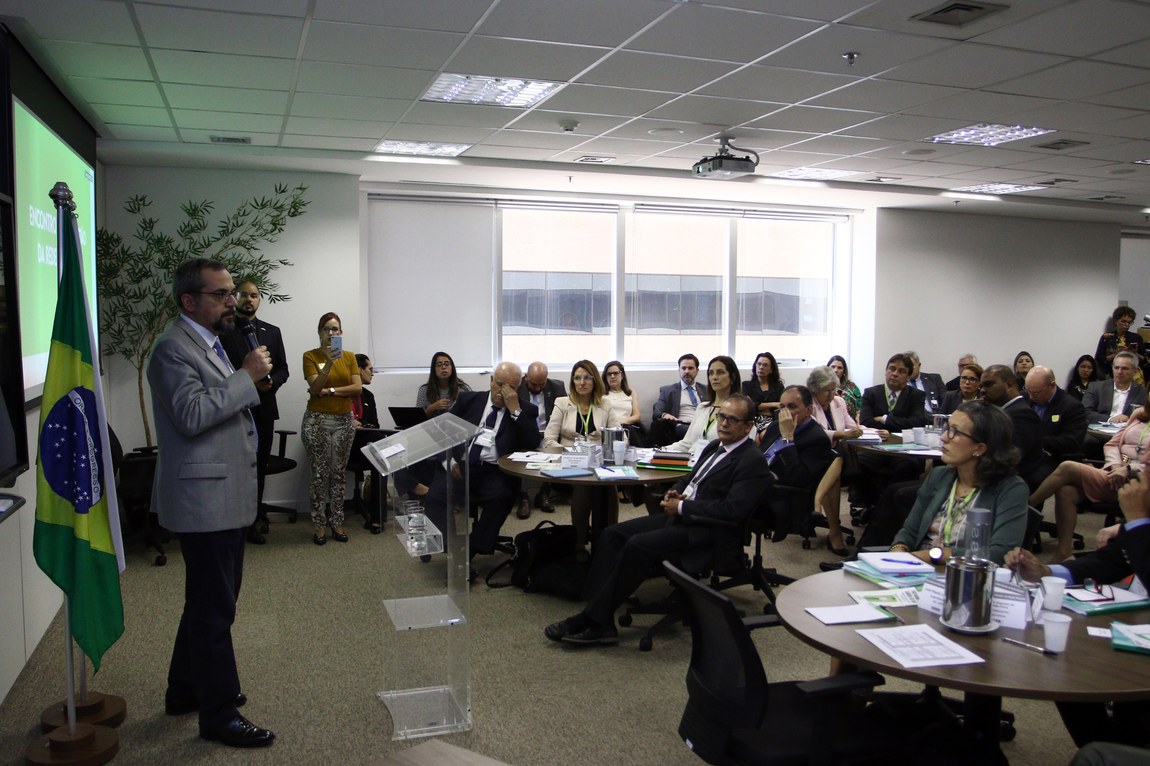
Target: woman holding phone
{"points": [[328, 427]]}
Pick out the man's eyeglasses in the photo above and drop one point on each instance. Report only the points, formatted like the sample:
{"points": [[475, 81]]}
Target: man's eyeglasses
{"points": [[221, 295], [950, 432], [723, 418], [1105, 591]]}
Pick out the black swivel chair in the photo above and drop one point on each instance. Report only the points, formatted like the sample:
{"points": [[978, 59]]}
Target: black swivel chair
{"points": [[735, 716], [279, 463], [135, 474]]}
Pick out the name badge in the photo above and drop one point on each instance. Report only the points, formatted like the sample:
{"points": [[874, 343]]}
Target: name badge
{"points": [[486, 438], [1055, 418]]}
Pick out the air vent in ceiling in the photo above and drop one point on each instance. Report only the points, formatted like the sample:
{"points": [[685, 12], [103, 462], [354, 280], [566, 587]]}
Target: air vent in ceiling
{"points": [[1105, 198], [1057, 181], [1061, 146], [230, 139], [959, 14], [591, 159]]}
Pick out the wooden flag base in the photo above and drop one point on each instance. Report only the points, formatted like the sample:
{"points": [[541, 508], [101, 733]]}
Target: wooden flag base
{"points": [[88, 746], [98, 709]]}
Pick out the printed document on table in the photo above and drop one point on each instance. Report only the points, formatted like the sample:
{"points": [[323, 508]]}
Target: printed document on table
{"points": [[886, 598], [919, 646]]}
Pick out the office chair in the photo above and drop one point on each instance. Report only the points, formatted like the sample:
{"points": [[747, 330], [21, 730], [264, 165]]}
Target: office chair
{"points": [[134, 474], [735, 716], [278, 463], [797, 509]]}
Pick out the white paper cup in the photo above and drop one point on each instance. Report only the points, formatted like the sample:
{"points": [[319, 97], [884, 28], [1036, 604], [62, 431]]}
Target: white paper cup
{"points": [[918, 435], [1054, 588], [1056, 627], [620, 450]]}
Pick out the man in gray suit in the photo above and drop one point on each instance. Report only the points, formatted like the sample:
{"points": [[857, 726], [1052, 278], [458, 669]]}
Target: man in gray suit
{"points": [[1112, 401], [205, 491]]}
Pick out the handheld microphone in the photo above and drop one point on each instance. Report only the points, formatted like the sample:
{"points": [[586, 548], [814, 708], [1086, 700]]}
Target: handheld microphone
{"points": [[249, 332]]}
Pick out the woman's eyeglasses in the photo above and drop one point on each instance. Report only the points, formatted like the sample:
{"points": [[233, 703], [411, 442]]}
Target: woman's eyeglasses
{"points": [[583, 379], [950, 432]]}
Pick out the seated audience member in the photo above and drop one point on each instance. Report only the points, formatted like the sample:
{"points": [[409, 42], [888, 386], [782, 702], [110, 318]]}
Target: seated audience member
{"points": [[1023, 361], [508, 426], [830, 411], [1112, 401], [1084, 373], [620, 398], [765, 385], [1119, 338], [847, 389], [578, 417], [541, 391], [798, 451], [963, 361], [1127, 553], [726, 485], [722, 382], [968, 379], [1110, 754], [365, 415], [930, 383], [436, 397], [892, 406], [1063, 420], [673, 411], [1071, 481], [999, 386], [977, 472]]}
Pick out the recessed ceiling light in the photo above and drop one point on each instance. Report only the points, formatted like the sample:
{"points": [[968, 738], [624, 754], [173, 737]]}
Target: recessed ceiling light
{"points": [[882, 179], [986, 134], [594, 159], [421, 148], [813, 174], [1142, 162], [488, 91], [997, 188]]}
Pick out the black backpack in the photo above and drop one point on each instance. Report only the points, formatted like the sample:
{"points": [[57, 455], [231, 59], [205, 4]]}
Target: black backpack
{"points": [[545, 561]]}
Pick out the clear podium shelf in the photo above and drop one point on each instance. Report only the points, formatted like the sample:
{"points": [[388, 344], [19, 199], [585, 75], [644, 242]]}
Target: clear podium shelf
{"points": [[423, 612]]}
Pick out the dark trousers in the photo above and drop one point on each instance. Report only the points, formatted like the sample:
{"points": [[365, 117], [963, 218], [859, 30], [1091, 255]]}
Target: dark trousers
{"points": [[203, 664], [1090, 722], [876, 473], [889, 514], [627, 554], [492, 491]]}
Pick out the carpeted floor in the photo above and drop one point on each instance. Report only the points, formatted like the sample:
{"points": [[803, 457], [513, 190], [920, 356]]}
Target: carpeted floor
{"points": [[314, 645]]}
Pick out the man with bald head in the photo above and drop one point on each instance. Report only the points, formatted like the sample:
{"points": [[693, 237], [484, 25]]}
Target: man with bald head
{"points": [[541, 391], [964, 360], [1063, 420], [508, 426]]}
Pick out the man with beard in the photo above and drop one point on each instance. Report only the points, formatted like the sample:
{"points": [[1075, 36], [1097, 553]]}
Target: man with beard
{"points": [[205, 491], [266, 414]]}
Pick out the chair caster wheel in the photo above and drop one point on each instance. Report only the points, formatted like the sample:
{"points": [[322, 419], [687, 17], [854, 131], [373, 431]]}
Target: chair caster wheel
{"points": [[625, 619], [645, 644], [850, 539], [806, 544], [1079, 545], [1006, 732], [161, 560]]}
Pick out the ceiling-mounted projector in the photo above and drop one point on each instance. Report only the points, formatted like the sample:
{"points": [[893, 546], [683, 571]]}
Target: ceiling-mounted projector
{"points": [[725, 165]]}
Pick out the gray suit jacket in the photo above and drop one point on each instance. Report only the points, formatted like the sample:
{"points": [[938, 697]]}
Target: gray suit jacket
{"points": [[206, 474], [1099, 398]]}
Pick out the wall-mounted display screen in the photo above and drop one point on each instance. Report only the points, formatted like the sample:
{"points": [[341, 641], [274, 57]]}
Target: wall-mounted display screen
{"points": [[42, 159]]}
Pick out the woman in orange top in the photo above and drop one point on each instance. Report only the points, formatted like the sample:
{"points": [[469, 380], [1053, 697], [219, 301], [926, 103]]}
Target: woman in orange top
{"points": [[328, 428]]}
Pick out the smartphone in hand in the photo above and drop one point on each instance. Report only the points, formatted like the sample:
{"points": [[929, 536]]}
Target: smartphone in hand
{"points": [[337, 344]]}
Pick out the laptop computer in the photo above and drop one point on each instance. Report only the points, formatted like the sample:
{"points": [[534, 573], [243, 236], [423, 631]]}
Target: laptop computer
{"points": [[407, 417]]}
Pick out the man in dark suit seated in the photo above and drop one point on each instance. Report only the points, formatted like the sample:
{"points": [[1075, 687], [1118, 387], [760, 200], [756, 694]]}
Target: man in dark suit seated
{"points": [[508, 426], [674, 410], [1112, 401], [728, 482], [1127, 553], [930, 383], [797, 450], [892, 406], [541, 391], [999, 386], [1063, 421]]}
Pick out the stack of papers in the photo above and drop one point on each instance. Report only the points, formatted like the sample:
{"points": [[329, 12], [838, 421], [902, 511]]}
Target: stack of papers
{"points": [[1088, 602], [891, 562], [840, 615], [895, 580], [1130, 638]]}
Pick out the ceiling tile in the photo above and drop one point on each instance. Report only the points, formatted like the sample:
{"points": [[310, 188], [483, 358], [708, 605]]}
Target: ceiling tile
{"points": [[127, 92], [599, 99], [589, 22], [133, 115], [1136, 97], [1132, 127], [976, 106], [536, 139], [355, 80], [721, 34], [379, 46], [509, 152], [92, 21], [233, 121], [207, 98], [296, 8], [729, 111], [1126, 151], [141, 132], [761, 83], [821, 10], [878, 51], [764, 140], [520, 58], [812, 118], [650, 71], [314, 126], [691, 131], [239, 33], [1076, 29], [1135, 54], [842, 145], [635, 148], [905, 127], [441, 15], [441, 133], [348, 107], [971, 66], [196, 68], [883, 95], [329, 143], [1067, 115], [547, 121], [115, 62], [1074, 79], [468, 115]]}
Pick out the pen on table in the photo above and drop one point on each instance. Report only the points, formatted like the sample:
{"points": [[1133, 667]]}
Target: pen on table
{"points": [[1031, 647], [906, 561], [892, 614]]}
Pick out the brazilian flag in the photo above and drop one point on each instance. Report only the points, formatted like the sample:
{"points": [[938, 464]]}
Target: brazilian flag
{"points": [[77, 536]]}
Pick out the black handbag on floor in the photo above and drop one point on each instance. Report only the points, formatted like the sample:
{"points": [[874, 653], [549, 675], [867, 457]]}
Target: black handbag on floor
{"points": [[544, 560]]}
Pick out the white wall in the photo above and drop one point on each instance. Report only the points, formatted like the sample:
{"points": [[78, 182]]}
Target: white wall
{"points": [[1134, 276], [949, 284]]}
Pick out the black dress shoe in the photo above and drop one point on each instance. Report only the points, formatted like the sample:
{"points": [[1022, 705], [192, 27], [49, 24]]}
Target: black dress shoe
{"points": [[830, 566], [546, 505], [574, 624], [183, 708], [837, 551], [239, 732], [524, 509], [593, 636]]}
